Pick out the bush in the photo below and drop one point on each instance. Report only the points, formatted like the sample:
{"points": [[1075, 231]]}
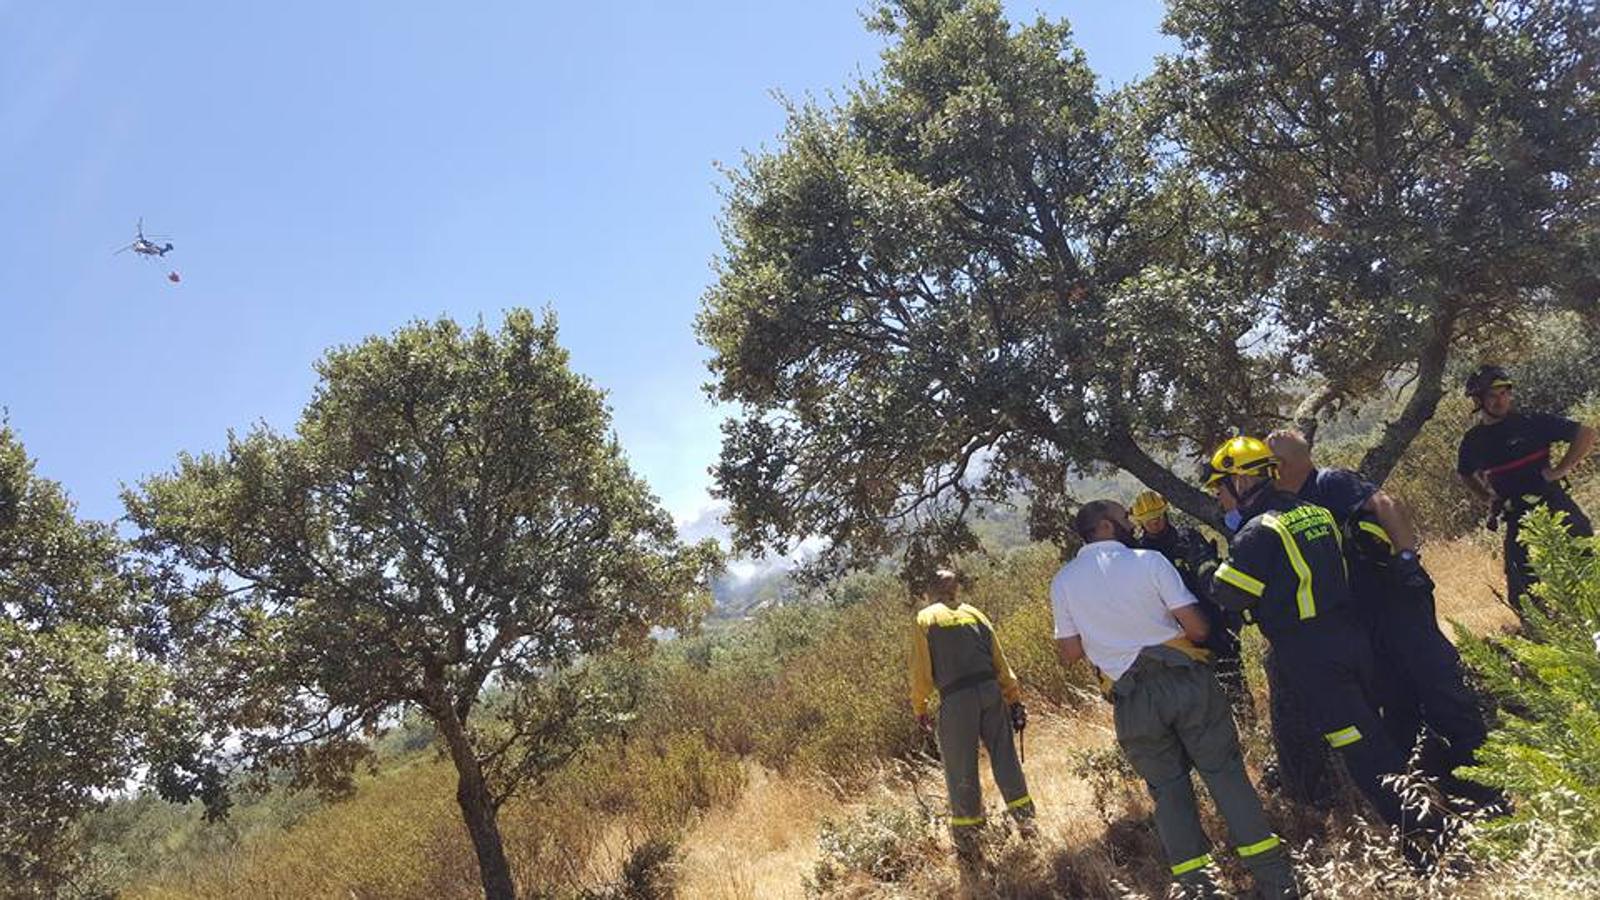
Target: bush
{"points": [[682, 777], [845, 703], [1014, 592], [884, 844], [648, 874], [1546, 750]]}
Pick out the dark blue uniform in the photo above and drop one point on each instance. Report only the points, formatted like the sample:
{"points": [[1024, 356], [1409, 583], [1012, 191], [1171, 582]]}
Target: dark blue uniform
{"points": [[1513, 454], [1287, 569], [1419, 677], [1344, 494]]}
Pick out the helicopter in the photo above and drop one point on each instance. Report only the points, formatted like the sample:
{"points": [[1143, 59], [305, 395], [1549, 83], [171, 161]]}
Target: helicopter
{"points": [[146, 246]]}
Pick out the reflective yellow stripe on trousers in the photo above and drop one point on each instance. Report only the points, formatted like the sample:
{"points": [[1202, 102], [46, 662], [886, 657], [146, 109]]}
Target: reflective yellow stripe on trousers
{"points": [[1259, 847], [1189, 865], [1343, 737]]}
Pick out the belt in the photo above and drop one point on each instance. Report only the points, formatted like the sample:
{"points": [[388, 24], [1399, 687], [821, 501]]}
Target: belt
{"points": [[1159, 658], [1515, 464], [964, 682]]}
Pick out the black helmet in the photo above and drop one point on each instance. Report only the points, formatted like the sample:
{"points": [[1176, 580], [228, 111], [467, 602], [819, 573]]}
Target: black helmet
{"points": [[1486, 378]]}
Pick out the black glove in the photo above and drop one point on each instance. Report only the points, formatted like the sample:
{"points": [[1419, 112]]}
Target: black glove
{"points": [[1019, 717], [1409, 574]]}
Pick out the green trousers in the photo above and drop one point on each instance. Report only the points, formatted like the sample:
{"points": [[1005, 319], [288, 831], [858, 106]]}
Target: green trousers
{"points": [[967, 717], [1172, 717]]}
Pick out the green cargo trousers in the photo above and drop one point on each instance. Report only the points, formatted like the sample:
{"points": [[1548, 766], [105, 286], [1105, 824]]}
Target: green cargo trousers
{"points": [[966, 717], [1172, 716]]}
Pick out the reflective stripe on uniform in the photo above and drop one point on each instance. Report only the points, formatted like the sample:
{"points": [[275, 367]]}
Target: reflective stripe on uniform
{"points": [[1244, 582], [938, 615], [1020, 802], [1259, 846], [1303, 596], [1343, 737], [1376, 530], [967, 821], [953, 620], [1189, 865]]}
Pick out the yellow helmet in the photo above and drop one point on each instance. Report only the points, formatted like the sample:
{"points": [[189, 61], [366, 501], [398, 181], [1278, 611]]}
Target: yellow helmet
{"points": [[1148, 506], [1244, 455]]}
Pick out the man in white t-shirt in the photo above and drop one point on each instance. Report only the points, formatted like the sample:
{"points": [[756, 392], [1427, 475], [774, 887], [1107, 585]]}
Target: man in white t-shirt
{"points": [[1129, 614]]}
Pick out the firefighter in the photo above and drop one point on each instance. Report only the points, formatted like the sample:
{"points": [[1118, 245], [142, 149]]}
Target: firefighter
{"points": [[1302, 771], [1196, 560], [954, 651], [1504, 460], [1128, 612], [1419, 675], [1286, 571]]}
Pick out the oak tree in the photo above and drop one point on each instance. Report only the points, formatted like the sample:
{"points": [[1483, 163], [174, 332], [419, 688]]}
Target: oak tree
{"points": [[450, 519]]}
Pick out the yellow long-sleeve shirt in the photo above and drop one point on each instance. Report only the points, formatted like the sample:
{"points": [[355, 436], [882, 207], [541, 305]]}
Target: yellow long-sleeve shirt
{"points": [[952, 644]]}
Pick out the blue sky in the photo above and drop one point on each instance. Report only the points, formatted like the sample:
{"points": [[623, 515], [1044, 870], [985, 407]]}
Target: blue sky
{"points": [[334, 170]]}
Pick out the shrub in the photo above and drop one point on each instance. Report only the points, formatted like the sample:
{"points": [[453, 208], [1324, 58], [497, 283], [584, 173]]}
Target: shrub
{"points": [[1546, 750], [1118, 791], [883, 844], [647, 874], [682, 777], [844, 702]]}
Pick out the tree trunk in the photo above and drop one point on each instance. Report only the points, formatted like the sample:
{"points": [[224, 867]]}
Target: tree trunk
{"points": [[1379, 461], [477, 807], [478, 810], [1124, 452]]}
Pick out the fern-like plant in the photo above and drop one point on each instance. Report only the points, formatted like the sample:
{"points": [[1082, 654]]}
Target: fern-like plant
{"points": [[1546, 750]]}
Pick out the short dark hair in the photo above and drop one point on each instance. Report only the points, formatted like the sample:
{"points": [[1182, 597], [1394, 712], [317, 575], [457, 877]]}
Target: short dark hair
{"points": [[1090, 515]]}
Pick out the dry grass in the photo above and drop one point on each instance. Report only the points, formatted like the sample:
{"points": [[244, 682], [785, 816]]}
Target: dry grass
{"points": [[1101, 844], [1470, 585], [762, 846], [401, 837]]}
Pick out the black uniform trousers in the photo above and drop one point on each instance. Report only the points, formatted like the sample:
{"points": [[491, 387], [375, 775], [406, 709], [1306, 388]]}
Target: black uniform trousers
{"points": [[1429, 690], [1327, 663], [1519, 575]]}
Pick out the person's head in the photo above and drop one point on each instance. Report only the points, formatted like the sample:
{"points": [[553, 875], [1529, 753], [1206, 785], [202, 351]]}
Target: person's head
{"points": [[1293, 451], [1247, 467], [1103, 520], [1490, 388], [1149, 511], [942, 588]]}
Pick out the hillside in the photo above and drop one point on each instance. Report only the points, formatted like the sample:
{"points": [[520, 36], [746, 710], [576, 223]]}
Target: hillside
{"points": [[742, 805]]}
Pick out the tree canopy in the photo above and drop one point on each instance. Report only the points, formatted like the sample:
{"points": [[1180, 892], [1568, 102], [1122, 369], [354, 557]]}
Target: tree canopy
{"points": [[83, 701], [1434, 162], [450, 517], [977, 273]]}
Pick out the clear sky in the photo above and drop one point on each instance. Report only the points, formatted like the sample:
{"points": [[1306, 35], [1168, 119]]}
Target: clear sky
{"points": [[332, 170]]}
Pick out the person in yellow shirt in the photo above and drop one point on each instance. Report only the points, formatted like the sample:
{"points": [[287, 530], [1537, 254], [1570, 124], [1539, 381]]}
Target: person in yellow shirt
{"points": [[954, 653]]}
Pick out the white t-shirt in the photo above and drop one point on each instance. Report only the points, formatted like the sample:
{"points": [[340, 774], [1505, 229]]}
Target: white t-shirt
{"points": [[1119, 601]]}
